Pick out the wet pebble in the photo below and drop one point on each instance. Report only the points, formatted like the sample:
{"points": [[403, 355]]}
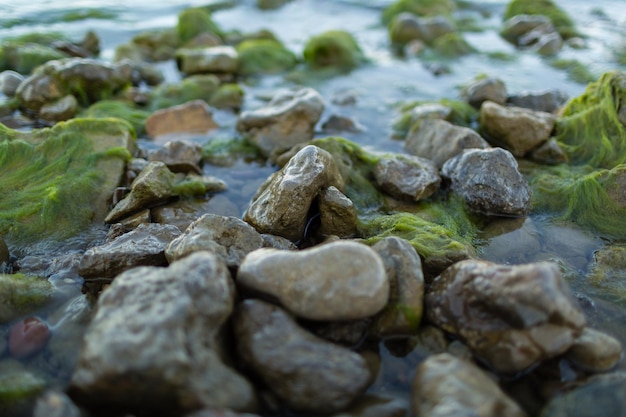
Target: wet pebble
{"points": [[28, 337], [595, 351]]}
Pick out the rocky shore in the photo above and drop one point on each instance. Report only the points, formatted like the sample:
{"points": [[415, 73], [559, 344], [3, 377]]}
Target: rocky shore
{"points": [[345, 258]]}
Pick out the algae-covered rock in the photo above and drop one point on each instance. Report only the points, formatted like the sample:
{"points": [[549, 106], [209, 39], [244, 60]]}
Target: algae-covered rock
{"points": [[334, 48], [195, 21], [22, 294], [228, 96], [195, 87], [59, 110], [452, 45], [419, 8], [121, 110], [262, 56], [407, 27], [57, 181], [211, 60], [153, 45], [560, 19], [18, 389], [25, 57]]}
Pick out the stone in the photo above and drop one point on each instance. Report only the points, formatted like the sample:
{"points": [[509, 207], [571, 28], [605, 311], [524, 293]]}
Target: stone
{"points": [[403, 313], [446, 386], [595, 351], [179, 156], [28, 337], [277, 242], [376, 405], [211, 60], [19, 388], [192, 117], [333, 49], [158, 329], [59, 110], [439, 140], [287, 120], [22, 294], [485, 89], [55, 404], [273, 210], [9, 82], [489, 182], [229, 238], [143, 246], [407, 27], [320, 378], [517, 129], [548, 101], [549, 153], [511, 317], [517, 26], [407, 177], [342, 280], [264, 56], [337, 123], [152, 186], [337, 214]]}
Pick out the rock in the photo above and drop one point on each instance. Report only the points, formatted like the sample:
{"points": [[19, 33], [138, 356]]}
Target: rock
{"points": [[489, 182], [407, 27], [19, 388], [60, 109], [153, 186], [337, 214], [264, 56], [439, 140], [195, 21], [227, 237], [179, 156], [333, 49], [277, 242], [143, 246], [287, 120], [341, 280], [28, 337], [518, 26], [160, 328], [194, 87], [211, 60], [599, 393], [403, 267], [192, 117], [376, 405], [444, 386], [55, 404], [273, 210], [485, 89], [407, 177], [337, 123], [595, 351], [548, 101], [550, 153], [511, 317], [228, 96], [543, 39], [9, 82], [21, 295], [519, 130], [321, 378], [183, 212]]}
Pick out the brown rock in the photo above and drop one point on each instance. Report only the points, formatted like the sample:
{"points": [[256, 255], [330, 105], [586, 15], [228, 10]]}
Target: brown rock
{"points": [[192, 117]]}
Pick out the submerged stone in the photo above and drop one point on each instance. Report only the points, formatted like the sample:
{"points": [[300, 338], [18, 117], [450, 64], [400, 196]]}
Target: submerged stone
{"points": [[28, 337], [22, 294], [18, 389], [336, 48]]}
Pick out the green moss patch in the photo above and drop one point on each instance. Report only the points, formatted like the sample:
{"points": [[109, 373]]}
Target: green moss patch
{"points": [[419, 8], [227, 151], [195, 21], [334, 48], [21, 295], [195, 87], [121, 110], [559, 18], [576, 71], [263, 56], [18, 389]]}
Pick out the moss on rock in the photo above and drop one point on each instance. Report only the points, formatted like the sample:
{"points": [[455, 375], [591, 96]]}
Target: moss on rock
{"points": [[559, 18], [452, 45], [121, 110], [21, 295], [194, 21], [419, 8], [263, 56], [334, 48], [18, 389], [195, 87]]}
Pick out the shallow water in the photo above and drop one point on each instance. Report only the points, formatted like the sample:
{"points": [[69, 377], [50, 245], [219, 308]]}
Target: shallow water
{"points": [[388, 80]]}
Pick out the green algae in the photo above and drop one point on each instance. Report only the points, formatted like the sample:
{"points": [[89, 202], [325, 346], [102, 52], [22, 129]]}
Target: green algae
{"points": [[576, 70], [25, 57], [52, 179], [559, 18], [419, 8], [227, 151], [264, 56], [121, 110], [452, 45], [18, 389], [195, 87], [84, 14], [22, 295], [228, 96], [333, 49], [195, 21]]}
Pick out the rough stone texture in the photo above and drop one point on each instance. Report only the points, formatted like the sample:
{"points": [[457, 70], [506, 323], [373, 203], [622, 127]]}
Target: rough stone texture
{"points": [[143, 246], [337, 214], [153, 345], [491, 89], [446, 386], [183, 212], [277, 242], [179, 156], [59, 110], [517, 129], [229, 238], [403, 267], [439, 140], [595, 351], [342, 280], [546, 101], [9, 81], [549, 153], [407, 177], [192, 117], [152, 186], [489, 182], [214, 59], [601, 395], [407, 27], [281, 205], [511, 317], [307, 373], [288, 119]]}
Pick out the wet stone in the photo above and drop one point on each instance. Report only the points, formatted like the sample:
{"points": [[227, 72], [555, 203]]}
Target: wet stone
{"points": [[160, 328], [547, 101], [407, 27], [9, 81], [337, 214], [342, 280], [595, 351], [446, 386], [517, 129], [439, 140], [511, 317], [550, 153], [192, 117], [143, 246], [407, 177], [287, 120], [491, 89], [321, 378], [215, 59], [229, 238], [60, 109], [489, 181], [337, 123], [179, 156], [517, 26]]}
